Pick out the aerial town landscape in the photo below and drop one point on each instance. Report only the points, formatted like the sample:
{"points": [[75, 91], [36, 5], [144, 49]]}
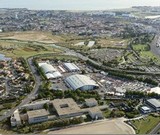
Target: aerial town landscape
{"points": [[80, 72]]}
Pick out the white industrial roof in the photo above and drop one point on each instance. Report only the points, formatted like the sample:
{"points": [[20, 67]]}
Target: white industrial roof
{"points": [[71, 66], [154, 102], [48, 68], [16, 115], [78, 81], [41, 63], [91, 43], [145, 108], [53, 75], [155, 90]]}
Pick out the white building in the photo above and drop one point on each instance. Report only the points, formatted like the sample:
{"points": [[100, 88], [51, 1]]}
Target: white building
{"points": [[54, 75], [50, 71], [155, 90], [15, 119], [91, 102], [81, 82], [145, 109], [47, 68], [37, 116], [71, 67], [154, 103], [91, 43]]}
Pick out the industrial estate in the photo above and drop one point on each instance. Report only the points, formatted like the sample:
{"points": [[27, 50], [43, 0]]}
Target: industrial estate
{"points": [[88, 72]]}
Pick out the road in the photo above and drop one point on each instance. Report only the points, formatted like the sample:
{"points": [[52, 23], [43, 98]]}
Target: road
{"points": [[154, 48], [67, 52], [31, 95], [155, 130]]}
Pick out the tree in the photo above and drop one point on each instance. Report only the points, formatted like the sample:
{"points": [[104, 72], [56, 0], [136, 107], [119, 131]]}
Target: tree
{"points": [[45, 106]]}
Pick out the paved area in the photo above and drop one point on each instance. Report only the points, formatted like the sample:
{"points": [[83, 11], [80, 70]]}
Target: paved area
{"points": [[115, 126]]}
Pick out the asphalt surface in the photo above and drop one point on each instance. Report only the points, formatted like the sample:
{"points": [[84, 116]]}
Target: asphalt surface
{"points": [[155, 130], [154, 48], [31, 95]]}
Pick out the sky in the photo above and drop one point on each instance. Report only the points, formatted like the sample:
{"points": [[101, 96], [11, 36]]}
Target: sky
{"points": [[76, 4]]}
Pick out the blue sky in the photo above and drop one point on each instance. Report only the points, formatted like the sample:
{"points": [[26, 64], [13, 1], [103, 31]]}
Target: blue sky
{"points": [[76, 4]]}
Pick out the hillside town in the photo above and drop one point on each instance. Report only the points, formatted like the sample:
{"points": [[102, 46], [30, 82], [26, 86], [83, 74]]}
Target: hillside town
{"points": [[63, 71]]}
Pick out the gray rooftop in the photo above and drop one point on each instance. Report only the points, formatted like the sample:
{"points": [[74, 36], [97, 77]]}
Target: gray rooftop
{"points": [[37, 113], [77, 81], [91, 100], [65, 106], [154, 102]]}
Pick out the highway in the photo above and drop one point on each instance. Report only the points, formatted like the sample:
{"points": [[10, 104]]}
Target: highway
{"points": [[31, 95]]}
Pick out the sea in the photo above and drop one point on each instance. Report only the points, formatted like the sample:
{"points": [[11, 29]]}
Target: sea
{"points": [[76, 4]]}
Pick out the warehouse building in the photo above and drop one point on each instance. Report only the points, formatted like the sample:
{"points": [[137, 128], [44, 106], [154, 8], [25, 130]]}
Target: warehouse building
{"points": [[145, 109], [47, 68], [80, 82], [154, 103], [36, 116], [71, 67], [50, 71]]}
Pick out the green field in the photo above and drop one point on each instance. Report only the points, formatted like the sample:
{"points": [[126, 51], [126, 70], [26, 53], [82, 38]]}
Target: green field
{"points": [[14, 48], [145, 125], [107, 113], [140, 47]]}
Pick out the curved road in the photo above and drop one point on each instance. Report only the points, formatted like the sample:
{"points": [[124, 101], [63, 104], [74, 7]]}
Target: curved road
{"points": [[31, 95], [67, 52]]}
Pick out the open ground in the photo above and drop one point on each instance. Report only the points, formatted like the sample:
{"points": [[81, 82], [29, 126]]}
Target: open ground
{"points": [[113, 126]]}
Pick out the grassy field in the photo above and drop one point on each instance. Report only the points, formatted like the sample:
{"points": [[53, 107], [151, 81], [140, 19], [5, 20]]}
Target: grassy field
{"points": [[107, 113], [140, 47], [146, 125], [14, 48], [149, 55], [112, 42], [45, 37]]}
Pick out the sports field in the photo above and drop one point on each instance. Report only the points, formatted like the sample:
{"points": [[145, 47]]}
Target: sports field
{"points": [[114, 126]]}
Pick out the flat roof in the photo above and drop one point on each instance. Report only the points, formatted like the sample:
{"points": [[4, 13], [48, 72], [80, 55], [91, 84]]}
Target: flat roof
{"points": [[91, 100], [77, 81], [53, 75], [94, 110], [16, 115], [154, 102], [37, 113], [36, 103], [65, 106], [145, 108], [71, 66], [155, 90]]}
